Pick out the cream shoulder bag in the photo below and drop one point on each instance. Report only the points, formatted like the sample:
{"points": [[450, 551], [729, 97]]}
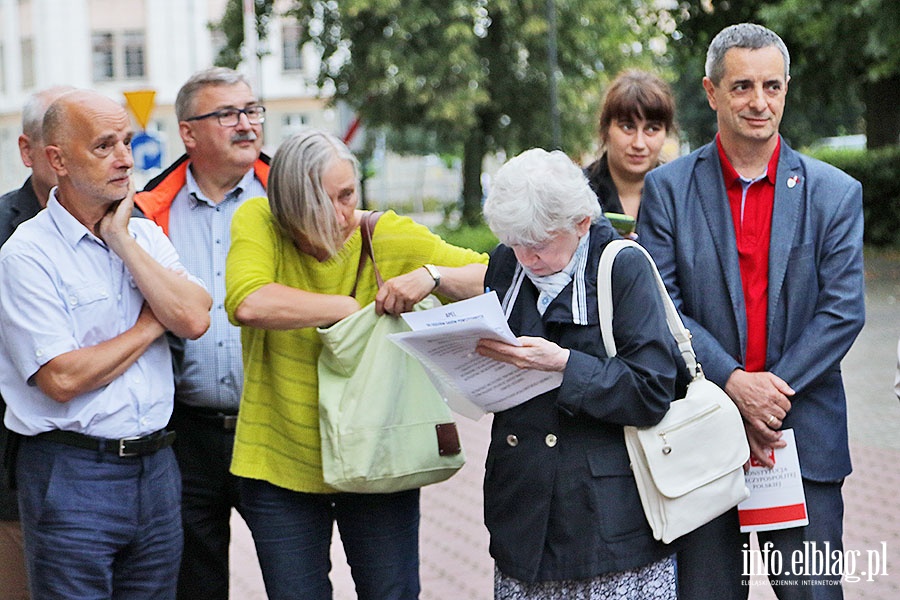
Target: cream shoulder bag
{"points": [[689, 466]]}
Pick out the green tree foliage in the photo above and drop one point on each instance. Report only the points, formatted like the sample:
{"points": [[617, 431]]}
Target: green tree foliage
{"points": [[472, 76], [698, 21], [877, 171], [848, 54], [845, 64], [232, 26]]}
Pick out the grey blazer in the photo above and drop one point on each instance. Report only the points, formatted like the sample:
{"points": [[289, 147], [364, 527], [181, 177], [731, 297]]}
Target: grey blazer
{"points": [[816, 286]]}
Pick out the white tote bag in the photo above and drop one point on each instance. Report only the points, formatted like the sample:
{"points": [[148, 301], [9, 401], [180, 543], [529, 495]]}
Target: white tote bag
{"points": [[689, 466]]}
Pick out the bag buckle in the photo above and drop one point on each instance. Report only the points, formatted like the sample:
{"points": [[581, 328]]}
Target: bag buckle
{"points": [[698, 372]]}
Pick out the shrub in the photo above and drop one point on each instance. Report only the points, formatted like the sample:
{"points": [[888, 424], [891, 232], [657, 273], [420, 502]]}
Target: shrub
{"points": [[479, 238], [879, 172]]}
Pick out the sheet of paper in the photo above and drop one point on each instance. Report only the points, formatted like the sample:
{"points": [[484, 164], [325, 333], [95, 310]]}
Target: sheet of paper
{"points": [[443, 339], [485, 308], [776, 497]]}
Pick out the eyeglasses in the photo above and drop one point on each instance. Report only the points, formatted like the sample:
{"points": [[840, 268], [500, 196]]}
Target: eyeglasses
{"points": [[230, 117]]}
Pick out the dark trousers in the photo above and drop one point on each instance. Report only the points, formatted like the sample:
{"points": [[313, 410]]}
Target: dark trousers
{"points": [[712, 561], [209, 492], [293, 531], [99, 526]]}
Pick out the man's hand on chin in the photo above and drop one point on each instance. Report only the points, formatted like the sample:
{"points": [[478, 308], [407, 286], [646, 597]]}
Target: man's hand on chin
{"points": [[114, 223]]}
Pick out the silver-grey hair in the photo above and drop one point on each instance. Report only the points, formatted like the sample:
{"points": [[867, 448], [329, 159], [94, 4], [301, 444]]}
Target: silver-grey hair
{"points": [[298, 199], [36, 107], [743, 35], [184, 101], [536, 195]]}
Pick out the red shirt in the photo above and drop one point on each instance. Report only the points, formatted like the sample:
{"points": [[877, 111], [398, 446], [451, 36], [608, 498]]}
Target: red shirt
{"points": [[751, 213]]}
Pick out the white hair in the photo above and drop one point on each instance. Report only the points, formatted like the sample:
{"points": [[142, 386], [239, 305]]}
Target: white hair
{"points": [[536, 195]]}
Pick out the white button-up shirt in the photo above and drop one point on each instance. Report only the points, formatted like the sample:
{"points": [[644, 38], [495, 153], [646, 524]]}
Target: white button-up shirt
{"points": [[61, 289]]}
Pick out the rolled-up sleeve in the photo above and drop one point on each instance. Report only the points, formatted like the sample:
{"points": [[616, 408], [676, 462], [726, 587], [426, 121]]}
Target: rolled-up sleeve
{"points": [[34, 319]]}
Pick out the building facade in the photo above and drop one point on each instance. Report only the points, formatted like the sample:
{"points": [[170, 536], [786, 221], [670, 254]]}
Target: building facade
{"points": [[117, 46]]}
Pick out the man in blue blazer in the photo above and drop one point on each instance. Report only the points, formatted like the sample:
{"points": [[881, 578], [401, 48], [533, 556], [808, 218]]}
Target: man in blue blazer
{"points": [[761, 250]]}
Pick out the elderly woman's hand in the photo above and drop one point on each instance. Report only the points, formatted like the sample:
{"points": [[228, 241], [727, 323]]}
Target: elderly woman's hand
{"points": [[400, 294], [534, 353]]}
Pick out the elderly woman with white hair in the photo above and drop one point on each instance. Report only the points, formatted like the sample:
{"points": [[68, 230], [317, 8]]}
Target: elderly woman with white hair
{"points": [[560, 500]]}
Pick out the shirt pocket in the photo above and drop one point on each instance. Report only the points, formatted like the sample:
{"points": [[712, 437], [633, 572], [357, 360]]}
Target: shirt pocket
{"points": [[83, 296], [94, 318]]}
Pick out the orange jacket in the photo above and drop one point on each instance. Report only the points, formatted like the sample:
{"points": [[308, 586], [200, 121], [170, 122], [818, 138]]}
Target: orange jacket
{"points": [[157, 197]]}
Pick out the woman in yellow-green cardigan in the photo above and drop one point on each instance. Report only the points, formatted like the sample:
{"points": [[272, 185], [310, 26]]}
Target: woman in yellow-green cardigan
{"points": [[292, 267]]}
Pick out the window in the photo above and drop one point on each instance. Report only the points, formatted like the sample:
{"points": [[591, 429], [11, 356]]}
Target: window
{"points": [[294, 120], [102, 56], [118, 55], [291, 123], [2, 70], [27, 63], [133, 41], [291, 57]]}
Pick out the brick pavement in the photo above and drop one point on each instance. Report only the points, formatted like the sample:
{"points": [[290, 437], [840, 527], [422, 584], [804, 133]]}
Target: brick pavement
{"points": [[454, 555]]}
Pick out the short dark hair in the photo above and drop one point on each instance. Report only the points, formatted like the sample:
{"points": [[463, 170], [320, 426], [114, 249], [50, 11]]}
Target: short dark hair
{"points": [[743, 35], [636, 94]]}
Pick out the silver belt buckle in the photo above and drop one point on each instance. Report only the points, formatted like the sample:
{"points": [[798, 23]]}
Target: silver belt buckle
{"points": [[122, 442]]}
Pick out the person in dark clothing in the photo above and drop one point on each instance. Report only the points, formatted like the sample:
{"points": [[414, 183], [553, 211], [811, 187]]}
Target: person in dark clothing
{"points": [[16, 207], [761, 249], [638, 114], [560, 500]]}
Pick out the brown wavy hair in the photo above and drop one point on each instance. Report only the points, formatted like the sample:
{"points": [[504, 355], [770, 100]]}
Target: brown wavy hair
{"points": [[636, 94]]}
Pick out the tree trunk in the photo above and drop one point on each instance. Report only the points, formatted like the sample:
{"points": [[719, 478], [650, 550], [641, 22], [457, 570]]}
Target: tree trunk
{"points": [[473, 155], [363, 181], [882, 114]]}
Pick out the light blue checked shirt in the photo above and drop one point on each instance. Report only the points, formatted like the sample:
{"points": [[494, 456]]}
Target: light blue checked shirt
{"points": [[211, 374]]}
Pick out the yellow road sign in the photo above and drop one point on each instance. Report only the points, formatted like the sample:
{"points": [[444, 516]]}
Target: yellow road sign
{"points": [[141, 104]]}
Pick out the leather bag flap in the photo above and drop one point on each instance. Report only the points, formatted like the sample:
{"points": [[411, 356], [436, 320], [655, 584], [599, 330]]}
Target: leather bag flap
{"points": [[694, 444]]}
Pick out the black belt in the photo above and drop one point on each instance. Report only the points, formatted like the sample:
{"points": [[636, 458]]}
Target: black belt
{"points": [[219, 418], [124, 447]]}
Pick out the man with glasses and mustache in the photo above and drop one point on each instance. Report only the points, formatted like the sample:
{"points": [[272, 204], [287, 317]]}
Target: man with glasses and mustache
{"points": [[220, 122]]}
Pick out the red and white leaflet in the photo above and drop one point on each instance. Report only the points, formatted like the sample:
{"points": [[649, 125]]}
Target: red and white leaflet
{"points": [[776, 495]]}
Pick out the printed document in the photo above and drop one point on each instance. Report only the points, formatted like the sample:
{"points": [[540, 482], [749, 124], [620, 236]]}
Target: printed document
{"points": [[443, 339], [776, 497]]}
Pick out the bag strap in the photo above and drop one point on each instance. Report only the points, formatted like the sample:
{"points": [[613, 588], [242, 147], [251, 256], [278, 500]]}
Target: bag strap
{"points": [[366, 229], [509, 299], [605, 305]]}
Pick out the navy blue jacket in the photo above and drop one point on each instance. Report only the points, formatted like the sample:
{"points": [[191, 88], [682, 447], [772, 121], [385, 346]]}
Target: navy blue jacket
{"points": [[560, 499]]}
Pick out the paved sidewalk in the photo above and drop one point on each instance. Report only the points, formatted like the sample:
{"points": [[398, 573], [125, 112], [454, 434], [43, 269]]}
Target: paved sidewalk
{"points": [[454, 543]]}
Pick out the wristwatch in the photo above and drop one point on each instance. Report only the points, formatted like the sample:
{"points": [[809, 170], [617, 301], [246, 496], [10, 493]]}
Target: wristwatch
{"points": [[435, 274]]}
